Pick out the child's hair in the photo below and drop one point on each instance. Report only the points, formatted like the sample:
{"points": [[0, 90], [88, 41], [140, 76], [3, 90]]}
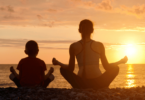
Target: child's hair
{"points": [[31, 48], [86, 27]]}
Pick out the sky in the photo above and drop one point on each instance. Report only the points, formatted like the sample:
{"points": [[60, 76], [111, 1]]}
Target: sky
{"points": [[118, 24]]}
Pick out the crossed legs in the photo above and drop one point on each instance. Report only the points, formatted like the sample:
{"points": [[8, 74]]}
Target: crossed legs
{"points": [[97, 83], [49, 77]]}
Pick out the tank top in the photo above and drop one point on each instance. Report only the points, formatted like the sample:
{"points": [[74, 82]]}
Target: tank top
{"points": [[91, 60]]}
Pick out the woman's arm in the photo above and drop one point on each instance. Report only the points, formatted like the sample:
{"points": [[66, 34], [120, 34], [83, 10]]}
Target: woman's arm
{"points": [[105, 61], [122, 61], [71, 64]]}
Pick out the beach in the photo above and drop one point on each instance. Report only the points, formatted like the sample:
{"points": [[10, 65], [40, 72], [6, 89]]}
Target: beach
{"points": [[39, 93], [128, 85]]}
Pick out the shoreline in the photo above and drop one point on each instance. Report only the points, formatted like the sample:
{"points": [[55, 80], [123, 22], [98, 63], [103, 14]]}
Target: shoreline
{"points": [[38, 93]]}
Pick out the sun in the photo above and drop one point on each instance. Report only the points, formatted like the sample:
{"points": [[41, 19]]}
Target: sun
{"points": [[130, 50]]}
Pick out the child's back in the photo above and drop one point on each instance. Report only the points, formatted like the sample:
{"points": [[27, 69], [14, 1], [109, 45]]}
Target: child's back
{"points": [[31, 71]]}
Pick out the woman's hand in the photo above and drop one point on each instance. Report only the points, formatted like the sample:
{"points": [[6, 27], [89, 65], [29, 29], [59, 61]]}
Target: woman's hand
{"points": [[55, 62], [124, 60]]}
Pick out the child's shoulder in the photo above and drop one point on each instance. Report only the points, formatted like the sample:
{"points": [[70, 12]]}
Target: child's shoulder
{"points": [[23, 59], [29, 58], [39, 59]]}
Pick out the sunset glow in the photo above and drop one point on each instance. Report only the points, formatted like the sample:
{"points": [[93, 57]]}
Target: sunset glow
{"points": [[118, 24], [131, 50]]}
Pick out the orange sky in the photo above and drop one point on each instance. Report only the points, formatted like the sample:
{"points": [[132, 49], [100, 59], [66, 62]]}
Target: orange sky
{"points": [[54, 25]]}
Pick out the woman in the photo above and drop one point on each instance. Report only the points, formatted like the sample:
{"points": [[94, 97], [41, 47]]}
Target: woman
{"points": [[88, 52]]}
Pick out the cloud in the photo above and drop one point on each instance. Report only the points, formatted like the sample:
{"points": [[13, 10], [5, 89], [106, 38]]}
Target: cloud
{"points": [[47, 12], [2, 8], [105, 5], [39, 17], [10, 9], [8, 17], [23, 1], [52, 10], [53, 13], [138, 11], [7, 8], [48, 44], [45, 44]]}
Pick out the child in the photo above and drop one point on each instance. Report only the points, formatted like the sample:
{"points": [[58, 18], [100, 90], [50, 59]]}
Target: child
{"points": [[31, 69]]}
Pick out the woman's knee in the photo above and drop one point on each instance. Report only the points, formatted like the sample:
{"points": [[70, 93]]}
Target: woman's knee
{"points": [[114, 70], [66, 73], [63, 71]]}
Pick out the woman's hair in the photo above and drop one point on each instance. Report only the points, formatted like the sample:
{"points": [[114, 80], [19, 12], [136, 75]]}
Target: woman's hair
{"points": [[31, 47], [86, 27]]}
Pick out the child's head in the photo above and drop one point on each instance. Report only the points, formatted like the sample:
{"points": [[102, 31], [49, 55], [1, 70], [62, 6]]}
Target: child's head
{"points": [[31, 48]]}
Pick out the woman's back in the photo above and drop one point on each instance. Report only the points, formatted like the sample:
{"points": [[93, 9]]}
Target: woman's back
{"points": [[88, 55]]}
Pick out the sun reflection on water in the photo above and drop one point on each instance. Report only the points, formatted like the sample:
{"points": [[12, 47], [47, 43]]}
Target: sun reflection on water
{"points": [[130, 82]]}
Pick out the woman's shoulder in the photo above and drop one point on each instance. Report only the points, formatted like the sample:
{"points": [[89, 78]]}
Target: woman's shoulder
{"points": [[75, 44], [97, 46], [97, 43], [76, 47]]}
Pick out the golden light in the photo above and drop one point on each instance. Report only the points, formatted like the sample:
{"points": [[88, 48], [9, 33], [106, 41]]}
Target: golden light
{"points": [[130, 76], [130, 82], [130, 50]]}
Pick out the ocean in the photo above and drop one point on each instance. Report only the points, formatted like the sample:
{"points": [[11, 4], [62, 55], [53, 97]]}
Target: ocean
{"points": [[130, 75]]}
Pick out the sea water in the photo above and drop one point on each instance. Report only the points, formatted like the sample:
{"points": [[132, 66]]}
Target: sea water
{"points": [[130, 75]]}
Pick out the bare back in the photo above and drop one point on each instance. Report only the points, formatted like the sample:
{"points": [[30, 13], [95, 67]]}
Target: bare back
{"points": [[92, 69], [96, 46]]}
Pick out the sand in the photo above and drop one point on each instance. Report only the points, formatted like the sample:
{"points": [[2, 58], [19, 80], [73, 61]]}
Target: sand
{"points": [[38, 93]]}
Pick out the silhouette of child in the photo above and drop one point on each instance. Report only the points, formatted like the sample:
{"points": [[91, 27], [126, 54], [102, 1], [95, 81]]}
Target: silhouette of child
{"points": [[31, 69]]}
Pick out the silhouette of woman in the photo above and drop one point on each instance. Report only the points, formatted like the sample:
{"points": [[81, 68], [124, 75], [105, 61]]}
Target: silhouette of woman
{"points": [[88, 52]]}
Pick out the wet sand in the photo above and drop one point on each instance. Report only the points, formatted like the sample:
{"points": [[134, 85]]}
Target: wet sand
{"points": [[39, 93]]}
